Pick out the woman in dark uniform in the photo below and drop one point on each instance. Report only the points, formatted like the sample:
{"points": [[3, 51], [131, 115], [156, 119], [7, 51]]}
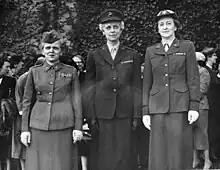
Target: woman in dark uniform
{"points": [[53, 125], [113, 86], [170, 96]]}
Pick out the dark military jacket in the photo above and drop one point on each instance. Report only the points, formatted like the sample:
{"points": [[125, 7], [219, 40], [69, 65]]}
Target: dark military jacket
{"points": [[58, 99], [113, 87], [171, 79]]}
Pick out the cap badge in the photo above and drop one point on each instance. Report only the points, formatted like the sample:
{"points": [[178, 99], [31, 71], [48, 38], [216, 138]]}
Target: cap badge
{"points": [[109, 14]]}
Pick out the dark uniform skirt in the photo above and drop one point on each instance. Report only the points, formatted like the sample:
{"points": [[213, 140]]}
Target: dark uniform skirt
{"points": [[171, 142], [112, 147], [51, 150], [200, 131]]}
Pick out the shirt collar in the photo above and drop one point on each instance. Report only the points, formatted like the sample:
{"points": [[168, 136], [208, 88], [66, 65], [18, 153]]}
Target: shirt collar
{"points": [[110, 46], [168, 42], [47, 66]]}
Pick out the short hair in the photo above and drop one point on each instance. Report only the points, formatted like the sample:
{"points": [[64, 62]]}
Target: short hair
{"points": [[2, 61], [121, 22], [208, 51], [80, 57]]}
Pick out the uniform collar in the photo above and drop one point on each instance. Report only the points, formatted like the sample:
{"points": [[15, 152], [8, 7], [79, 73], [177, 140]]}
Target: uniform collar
{"points": [[47, 66], [110, 46], [175, 43]]}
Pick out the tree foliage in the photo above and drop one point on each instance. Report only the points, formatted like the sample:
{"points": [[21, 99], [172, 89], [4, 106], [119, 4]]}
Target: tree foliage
{"points": [[22, 23], [25, 20], [199, 19]]}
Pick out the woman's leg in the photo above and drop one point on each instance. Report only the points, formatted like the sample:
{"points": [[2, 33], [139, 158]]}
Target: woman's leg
{"points": [[207, 162], [84, 162], [22, 162]]}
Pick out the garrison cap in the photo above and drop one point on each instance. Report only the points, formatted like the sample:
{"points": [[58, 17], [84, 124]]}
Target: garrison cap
{"points": [[50, 37], [166, 13], [111, 14]]}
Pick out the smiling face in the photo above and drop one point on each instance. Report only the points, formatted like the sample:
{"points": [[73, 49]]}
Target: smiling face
{"points": [[52, 51], [167, 28], [112, 31]]}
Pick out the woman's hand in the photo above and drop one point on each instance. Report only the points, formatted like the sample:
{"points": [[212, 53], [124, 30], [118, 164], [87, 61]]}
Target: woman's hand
{"points": [[77, 135], [146, 121], [192, 116], [26, 138]]}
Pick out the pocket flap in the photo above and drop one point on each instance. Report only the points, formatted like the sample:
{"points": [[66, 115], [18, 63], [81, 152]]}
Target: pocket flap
{"points": [[154, 91], [181, 88]]}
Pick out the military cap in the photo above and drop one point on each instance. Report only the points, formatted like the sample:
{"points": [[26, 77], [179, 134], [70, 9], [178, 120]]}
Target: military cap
{"points": [[50, 37], [111, 15], [166, 13]]}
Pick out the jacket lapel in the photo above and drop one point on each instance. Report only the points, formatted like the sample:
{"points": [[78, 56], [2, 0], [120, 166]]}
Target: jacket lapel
{"points": [[105, 54], [119, 54], [174, 47], [160, 49]]}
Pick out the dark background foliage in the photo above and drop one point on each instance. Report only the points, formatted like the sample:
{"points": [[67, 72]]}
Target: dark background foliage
{"points": [[22, 23]]}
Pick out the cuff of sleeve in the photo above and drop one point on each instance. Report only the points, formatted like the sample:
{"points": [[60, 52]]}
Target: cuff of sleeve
{"points": [[145, 110], [24, 127], [194, 105], [78, 124]]}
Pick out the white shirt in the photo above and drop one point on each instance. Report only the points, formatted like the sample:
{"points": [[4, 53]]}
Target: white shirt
{"points": [[113, 49], [167, 42]]}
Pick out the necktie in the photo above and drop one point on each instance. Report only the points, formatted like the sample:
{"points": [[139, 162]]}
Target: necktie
{"points": [[166, 47], [113, 53]]}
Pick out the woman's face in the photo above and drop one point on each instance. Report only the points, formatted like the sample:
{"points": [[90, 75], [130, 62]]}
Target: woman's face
{"points": [[213, 58], [112, 31], [166, 27], [52, 51]]}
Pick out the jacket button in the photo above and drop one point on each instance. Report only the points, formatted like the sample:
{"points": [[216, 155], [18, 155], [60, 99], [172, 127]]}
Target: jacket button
{"points": [[166, 75], [166, 85], [113, 67], [166, 65], [114, 90], [51, 83], [114, 78], [50, 93], [49, 103]]}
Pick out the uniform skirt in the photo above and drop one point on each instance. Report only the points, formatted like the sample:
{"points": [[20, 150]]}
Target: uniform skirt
{"points": [[171, 142], [51, 150], [201, 141], [112, 146]]}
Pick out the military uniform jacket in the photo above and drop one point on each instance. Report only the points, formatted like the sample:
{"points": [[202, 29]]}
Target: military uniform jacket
{"points": [[113, 86], [58, 99], [171, 79]]}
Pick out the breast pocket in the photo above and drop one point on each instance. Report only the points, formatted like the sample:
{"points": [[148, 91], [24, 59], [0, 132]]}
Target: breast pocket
{"points": [[177, 61]]}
